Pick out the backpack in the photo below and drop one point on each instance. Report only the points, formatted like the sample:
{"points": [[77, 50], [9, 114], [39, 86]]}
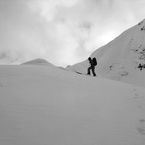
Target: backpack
{"points": [[94, 61]]}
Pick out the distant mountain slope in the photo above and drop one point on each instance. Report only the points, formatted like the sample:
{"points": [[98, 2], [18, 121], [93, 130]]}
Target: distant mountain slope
{"points": [[38, 61], [120, 59]]}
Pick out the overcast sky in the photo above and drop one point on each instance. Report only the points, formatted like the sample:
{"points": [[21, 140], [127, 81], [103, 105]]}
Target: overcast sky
{"points": [[62, 31]]}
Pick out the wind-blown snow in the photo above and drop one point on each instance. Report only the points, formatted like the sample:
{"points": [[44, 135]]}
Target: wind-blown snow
{"points": [[119, 59], [42, 105]]}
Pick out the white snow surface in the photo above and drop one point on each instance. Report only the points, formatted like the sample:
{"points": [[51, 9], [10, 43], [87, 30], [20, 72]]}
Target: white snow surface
{"points": [[120, 58], [42, 105]]}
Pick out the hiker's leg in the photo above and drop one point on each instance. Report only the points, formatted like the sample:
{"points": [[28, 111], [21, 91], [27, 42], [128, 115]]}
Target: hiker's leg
{"points": [[93, 71], [89, 70]]}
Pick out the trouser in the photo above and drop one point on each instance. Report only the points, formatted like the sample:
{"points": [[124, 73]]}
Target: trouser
{"points": [[93, 70]]}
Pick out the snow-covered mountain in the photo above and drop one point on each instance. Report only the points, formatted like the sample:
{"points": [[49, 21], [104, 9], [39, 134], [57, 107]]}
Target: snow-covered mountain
{"points": [[120, 59], [44, 105], [41, 104], [38, 61]]}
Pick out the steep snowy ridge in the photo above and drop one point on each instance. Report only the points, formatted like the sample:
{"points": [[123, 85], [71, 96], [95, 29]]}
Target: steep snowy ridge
{"points": [[120, 59]]}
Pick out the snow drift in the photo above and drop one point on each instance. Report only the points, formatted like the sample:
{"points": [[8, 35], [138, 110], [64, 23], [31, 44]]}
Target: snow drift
{"points": [[120, 59], [43, 105]]}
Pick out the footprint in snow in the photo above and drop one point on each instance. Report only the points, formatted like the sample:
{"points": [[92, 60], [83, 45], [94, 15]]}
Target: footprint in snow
{"points": [[1, 85], [141, 127], [138, 93]]}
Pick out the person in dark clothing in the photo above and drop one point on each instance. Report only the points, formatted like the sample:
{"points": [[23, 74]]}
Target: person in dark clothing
{"points": [[140, 66], [92, 66]]}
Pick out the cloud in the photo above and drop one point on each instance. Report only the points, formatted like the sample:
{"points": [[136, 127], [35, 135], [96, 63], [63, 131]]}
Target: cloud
{"points": [[48, 8], [62, 31]]}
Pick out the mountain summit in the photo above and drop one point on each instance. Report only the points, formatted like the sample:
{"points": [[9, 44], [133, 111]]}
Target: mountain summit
{"points": [[122, 59], [38, 61]]}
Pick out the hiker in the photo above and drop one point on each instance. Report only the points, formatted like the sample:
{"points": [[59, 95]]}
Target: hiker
{"points": [[140, 66], [93, 63]]}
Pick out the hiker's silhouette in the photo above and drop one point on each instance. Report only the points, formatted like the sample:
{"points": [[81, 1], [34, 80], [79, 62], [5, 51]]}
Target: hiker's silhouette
{"points": [[140, 66], [93, 63]]}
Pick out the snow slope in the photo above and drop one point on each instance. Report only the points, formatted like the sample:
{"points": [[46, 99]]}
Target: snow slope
{"points": [[119, 59], [42, 105]]}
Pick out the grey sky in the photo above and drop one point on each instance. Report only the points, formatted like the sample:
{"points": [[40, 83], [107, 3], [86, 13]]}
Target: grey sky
{"points": [[62, 31]]}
